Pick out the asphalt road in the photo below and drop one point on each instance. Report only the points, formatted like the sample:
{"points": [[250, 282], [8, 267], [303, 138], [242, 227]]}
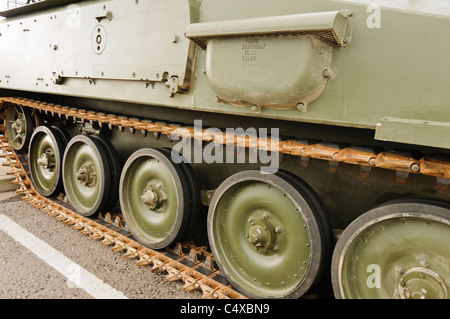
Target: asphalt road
{"points": [[41, 258]]}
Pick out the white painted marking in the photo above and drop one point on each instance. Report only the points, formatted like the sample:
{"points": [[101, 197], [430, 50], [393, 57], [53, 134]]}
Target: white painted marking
{"points": [[69, 269]]}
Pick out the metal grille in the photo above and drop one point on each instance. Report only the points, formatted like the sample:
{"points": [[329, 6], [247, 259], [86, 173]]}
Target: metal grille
{"points": [[327, 35]]}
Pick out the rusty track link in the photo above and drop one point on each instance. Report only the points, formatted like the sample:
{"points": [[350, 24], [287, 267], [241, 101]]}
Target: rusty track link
{"points": [[182, 263]]}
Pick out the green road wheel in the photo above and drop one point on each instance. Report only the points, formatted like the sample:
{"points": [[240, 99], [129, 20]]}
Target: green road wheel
{"points": [[194, 191], [115, 170], [154, 198], [266, 235], [320, 213], [19, 126], [398, 250], [45, 155], [86, 175]]}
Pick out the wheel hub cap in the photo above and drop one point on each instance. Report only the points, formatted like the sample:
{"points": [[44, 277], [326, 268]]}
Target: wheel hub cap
{"points": [[86, 175], [421, 283], [261, 234], [153, 196], [18, 125], [47, 160]]}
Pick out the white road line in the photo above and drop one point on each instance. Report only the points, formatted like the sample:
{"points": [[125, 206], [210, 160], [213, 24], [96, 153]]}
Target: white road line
{"points": [[72, 271]]}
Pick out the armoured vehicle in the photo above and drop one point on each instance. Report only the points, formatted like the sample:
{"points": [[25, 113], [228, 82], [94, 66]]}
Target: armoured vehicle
{"points": [[310, 139]]}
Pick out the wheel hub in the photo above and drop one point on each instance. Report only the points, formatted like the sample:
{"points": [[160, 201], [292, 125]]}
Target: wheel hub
{"points": [[153, 196], [261, 234], [86, 175], [421, 283], [47, 159], [18, 125]]}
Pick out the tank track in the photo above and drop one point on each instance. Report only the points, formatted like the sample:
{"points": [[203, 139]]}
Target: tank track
{"points": [[402, 162], [187, 262]]}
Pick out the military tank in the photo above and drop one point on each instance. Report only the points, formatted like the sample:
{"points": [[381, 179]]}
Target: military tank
{"points": [[308, 138]]}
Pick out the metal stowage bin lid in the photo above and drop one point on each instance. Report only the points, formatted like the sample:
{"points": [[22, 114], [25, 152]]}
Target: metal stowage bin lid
{"points": [[331, 27]]}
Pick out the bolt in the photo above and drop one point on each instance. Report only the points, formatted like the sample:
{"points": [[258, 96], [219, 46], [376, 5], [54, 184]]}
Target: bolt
{"points": [[278, 229], [256, 108], [424, 263], [302, 107], [415, 167], [372, 161], [327, 73]]}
